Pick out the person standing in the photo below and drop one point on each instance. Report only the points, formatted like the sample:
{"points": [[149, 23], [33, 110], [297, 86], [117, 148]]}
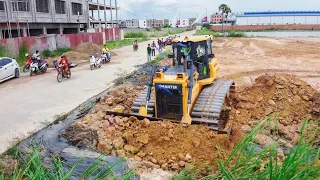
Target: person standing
{"points": [[153, 49], [149, 52], [160, 44]]}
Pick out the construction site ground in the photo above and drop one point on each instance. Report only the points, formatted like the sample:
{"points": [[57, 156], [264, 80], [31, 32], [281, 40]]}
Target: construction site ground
{"points": [[279, 78]]}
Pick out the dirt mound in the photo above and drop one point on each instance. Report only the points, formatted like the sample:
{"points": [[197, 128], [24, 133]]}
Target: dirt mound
{"points": [[121, 97], [157, 144], [284, 97], [315, 107], [87, 48], [76, 56]]}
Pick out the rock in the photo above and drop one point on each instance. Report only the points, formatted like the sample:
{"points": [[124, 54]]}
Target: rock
{"points": [[162, 161], [170, 133], [118, 143], [118, 108], [268, 111], [166, 138], [137, 158], [306, 98], [149, 164], [280, 87], [163, 125], [121, 153], [264, 140], [145, 122], [297, 98], [104, 147], [142, 154], [143, 138], [111, 130], [295, 90], [246, 128], [280, 153], [132, 118], [297, 83], [164, 166], [181, 157], [188, 157], [270, 82], [117, 120], [170, 125], [174, 166], [196, 142], [238, 112], [173, 158], [182, 163], [154, 160], [113, 153], [105, 124], [130, 148], [111, 120], [271, 102], [240, 105]]}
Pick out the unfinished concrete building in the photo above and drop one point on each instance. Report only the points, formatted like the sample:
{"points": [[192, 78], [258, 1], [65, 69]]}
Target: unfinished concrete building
{"points": [[21, 18]]}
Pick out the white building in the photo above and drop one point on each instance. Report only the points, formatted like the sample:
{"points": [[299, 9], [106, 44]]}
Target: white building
{"points": [[132, 23], [142, 24], [282, 17], [183, 22]]}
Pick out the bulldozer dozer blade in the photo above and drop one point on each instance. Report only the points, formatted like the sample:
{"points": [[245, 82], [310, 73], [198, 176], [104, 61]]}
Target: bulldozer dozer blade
{"points": [[143, 111]]}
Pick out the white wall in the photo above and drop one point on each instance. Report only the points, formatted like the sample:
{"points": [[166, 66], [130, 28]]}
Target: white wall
{"points": [[142, 23], [278, 20], [183, 22]]}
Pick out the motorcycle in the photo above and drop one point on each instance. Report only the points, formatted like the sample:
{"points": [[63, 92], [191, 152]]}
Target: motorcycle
{"points": [[26, 65], [95, 63], [61, 75], [38, 67], [135, 47], [105, 57]]}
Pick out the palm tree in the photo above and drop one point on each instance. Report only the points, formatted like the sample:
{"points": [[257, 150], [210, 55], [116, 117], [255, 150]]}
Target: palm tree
{"points": [[225, 10]]}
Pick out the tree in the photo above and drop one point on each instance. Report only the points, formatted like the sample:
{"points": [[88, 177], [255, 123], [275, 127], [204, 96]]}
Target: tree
{"points": [[225, 10]]}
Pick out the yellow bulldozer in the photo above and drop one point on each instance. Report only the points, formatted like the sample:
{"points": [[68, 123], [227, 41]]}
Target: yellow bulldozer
{"points": [[189, 91]]}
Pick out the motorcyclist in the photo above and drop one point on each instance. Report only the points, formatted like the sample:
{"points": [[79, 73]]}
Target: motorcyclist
{"points": [[105, 50], [96, 56], [135, 44], [64, 64], [29, 58]]}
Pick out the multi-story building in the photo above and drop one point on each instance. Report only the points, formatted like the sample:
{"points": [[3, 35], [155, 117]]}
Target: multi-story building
{"points": [[154, 23], [166, 21], [192, 20], [216, 18], [142, 24], [35, 17], [132, 23]]}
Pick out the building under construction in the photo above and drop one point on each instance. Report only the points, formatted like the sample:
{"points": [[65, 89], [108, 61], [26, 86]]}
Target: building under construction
{"points": [[22, 18]]}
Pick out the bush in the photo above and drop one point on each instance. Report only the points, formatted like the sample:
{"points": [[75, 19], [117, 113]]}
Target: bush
{"points": [[135, 35], [23, 49], [233, 33], [166, 26], [206, 25], [208, 32], [58, 52]]}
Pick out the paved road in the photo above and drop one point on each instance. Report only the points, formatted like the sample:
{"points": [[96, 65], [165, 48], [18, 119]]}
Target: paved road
{"points": [[28, 103]]}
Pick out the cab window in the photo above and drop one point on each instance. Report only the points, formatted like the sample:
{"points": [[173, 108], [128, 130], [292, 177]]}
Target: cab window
{"points": [[201, 60]]}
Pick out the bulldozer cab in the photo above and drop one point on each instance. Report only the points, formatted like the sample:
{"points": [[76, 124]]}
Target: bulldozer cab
{"points": [[198, 51]]}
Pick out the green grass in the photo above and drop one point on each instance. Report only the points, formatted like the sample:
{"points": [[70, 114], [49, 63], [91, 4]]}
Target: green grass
{"points": [[121, 43], [32, 166], [23, 48], [245, 162], [176, 31], [57, 52], [135, 35], [231, 33], [158, 57]]}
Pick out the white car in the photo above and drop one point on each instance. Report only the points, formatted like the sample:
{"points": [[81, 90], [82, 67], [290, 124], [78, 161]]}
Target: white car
{"points": [[9, 68]]}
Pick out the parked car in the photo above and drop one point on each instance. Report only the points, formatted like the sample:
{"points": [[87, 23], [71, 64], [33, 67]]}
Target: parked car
{"points": [[9, 68]]}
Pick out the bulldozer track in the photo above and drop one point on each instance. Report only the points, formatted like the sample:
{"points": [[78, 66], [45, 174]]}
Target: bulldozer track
{"points": [[208, 107], [141, 101]]}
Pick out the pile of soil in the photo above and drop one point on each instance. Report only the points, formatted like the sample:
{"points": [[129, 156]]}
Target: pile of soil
{"points": [[121, 97], [283, 97], [87, 48], [156, 144], [76, 56]]}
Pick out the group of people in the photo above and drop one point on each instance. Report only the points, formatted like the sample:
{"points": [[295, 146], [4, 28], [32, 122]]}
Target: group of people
{"points": [[151, 49]]}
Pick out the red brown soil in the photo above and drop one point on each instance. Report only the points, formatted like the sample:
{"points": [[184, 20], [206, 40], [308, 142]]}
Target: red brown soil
{"points": [[283, 97], [174, 146]]}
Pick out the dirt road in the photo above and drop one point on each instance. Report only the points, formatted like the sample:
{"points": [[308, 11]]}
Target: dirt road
{"points": [[29, 103]]}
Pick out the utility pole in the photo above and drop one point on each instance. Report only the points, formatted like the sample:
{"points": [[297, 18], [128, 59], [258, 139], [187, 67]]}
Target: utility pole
{"points": [[115, 1], [111, 20]]}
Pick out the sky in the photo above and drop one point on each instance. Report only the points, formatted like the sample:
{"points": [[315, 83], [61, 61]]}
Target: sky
{"points": [[168, 9]]}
